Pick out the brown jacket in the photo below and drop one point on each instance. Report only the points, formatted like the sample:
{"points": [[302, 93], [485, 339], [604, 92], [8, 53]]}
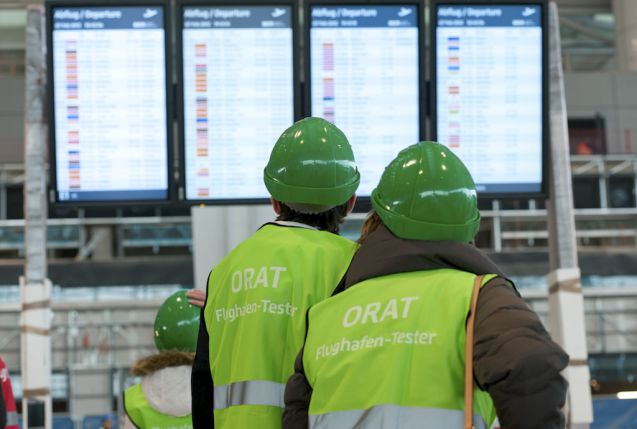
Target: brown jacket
{"points": [[514, 357]]}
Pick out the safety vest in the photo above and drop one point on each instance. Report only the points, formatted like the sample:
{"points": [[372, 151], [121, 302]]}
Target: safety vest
{"points": [[144, 416], [258, 297], [390, 352], [7, 392]]}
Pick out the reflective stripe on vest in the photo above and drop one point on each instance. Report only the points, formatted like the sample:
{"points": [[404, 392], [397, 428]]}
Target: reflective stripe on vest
{"points": [[257, 392], [394, 417], [12, 418]]}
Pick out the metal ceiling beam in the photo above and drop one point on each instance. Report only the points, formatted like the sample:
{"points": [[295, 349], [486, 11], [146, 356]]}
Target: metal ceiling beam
{"points": [[588, 51], [18, 4], [588, 31], [583, 7], [13, 18], [584, 3]]}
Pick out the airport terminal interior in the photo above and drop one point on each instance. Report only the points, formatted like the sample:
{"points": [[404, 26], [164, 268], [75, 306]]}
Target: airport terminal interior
{"points": [[133, 137]]}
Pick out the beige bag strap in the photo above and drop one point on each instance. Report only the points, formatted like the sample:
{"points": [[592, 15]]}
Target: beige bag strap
{"points": [[468, 360]]}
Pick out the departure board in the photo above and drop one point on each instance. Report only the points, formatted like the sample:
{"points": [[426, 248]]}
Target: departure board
{"points": [[238, 96], [110, 122], [364, 69], [489, 92]]}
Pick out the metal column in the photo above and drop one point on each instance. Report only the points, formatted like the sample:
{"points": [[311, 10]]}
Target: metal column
{"points": [[35, 288], [625, 13], [566, 302]]}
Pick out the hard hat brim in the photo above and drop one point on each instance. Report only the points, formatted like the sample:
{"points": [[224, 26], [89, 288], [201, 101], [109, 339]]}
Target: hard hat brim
{"points": [[332, 196], [412, 229]]}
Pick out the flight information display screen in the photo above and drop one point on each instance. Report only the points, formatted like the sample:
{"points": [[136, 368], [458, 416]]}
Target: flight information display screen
{"points": [[110, 126], [238, 96], [365, 78], [489, 92]]}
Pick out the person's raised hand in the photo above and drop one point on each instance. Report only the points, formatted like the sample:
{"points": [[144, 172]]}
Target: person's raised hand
{"points": [[196, 297]]}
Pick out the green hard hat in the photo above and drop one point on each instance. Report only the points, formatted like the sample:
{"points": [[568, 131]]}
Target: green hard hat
{"points": [[177, 324], [312, 167], [427, 193]]}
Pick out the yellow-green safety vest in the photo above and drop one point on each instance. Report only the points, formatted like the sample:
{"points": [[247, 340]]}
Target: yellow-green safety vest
{"points": [[255, 315], [390, 352], [142, 415]]}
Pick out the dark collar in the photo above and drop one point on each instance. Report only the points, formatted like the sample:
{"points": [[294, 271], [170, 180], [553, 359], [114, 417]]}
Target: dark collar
{"points": [[383, 254]]}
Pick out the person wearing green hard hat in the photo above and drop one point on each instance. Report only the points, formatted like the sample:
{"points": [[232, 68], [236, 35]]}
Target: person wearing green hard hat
{"points": [[389, 348], [163, 398], [253, 321]]}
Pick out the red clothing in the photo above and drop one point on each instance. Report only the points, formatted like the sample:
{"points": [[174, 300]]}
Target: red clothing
{"points": [[7, 393]]}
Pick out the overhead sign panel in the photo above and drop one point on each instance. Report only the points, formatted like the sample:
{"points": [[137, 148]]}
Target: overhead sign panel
{"points": [[238, 91], [490, 92], [365, 76], [110, 120]]}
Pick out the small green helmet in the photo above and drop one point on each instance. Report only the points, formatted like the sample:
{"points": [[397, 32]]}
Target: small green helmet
{"points": [[312, 167], [177, 324], [427, 193]]}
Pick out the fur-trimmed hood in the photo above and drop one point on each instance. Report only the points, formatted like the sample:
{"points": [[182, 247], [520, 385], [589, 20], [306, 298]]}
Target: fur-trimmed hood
{"points": [[149, 364], [166, 381]]}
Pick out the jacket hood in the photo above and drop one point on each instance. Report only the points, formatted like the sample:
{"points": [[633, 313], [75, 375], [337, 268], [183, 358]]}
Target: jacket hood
{"points": [[149, 364], [383, 254], [166, 381]]}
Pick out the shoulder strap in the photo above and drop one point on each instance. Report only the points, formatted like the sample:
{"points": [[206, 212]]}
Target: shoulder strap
{"points": [[468, 359]]}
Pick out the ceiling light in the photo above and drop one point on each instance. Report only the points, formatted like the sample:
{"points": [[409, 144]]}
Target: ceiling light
{"points": [[627, 395]]}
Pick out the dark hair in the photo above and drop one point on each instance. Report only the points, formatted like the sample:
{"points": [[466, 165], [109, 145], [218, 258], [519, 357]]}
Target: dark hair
{"points": [[372, 222], [329, 220]]}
